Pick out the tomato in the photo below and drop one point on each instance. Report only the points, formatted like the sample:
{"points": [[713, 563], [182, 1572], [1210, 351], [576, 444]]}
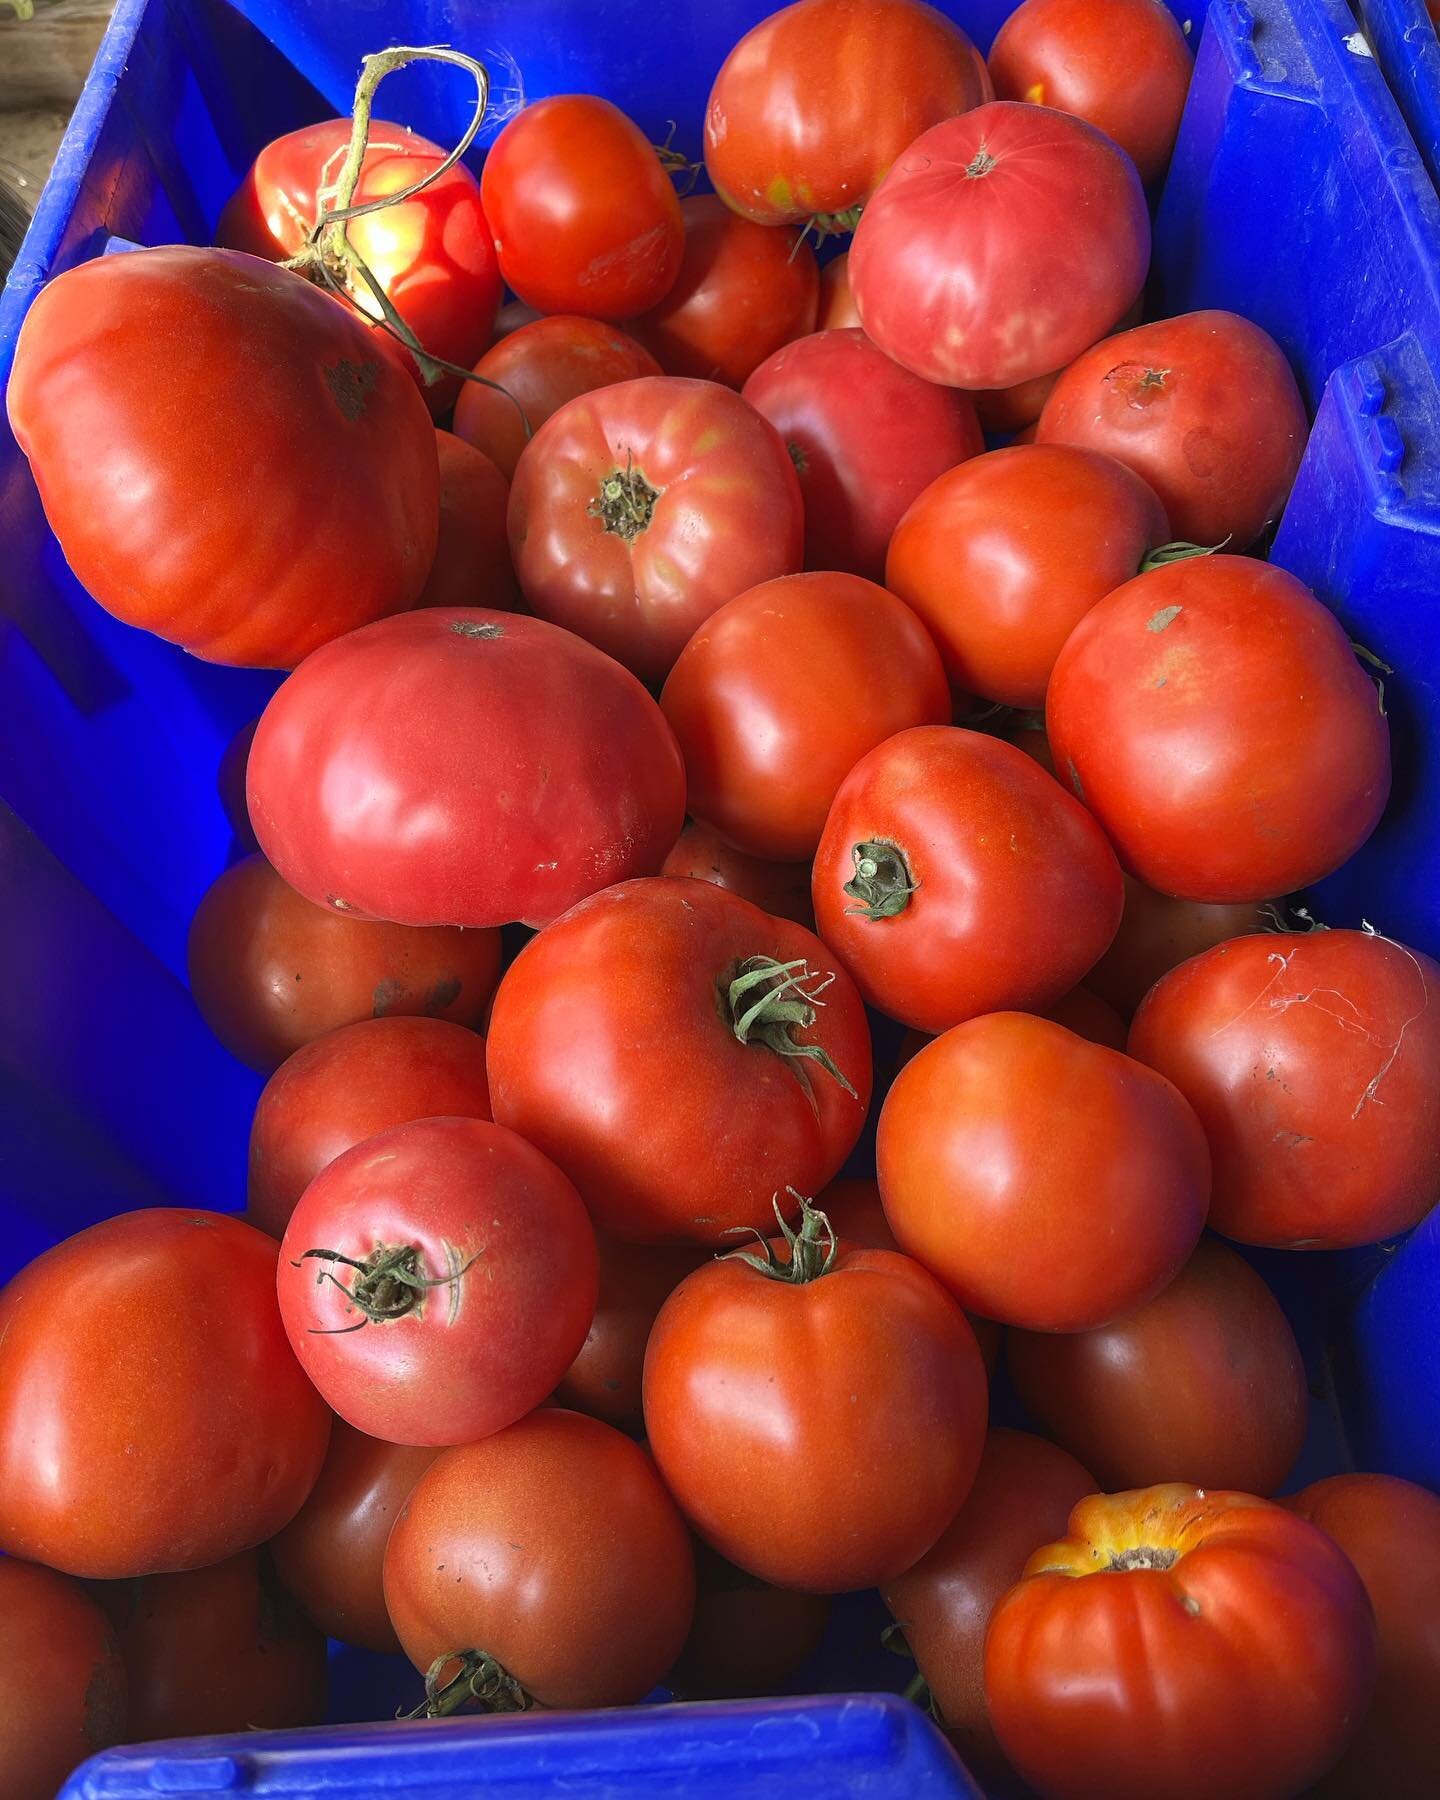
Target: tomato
{"points": [[638, 1041], [547, 1563], [1213, 717], [511, 316], [1004, 555], [332, 1553], [955, 878], [1088, 1016], [781, 692], [249, 520], [638, 510], [866, 437], [270, 971], [1180, 1643], [986, 1140], [584, 215], [63, 1686], [782, 888], [472, 558], [230, 780], [363, 773], [813, 104], [1157, 934], [816, 1410], [635, 1282], [748, 1638], [837, 303], [1204, 408], [1390, 1530], [1314, 1064], [1024, 1490], [1004, 411], [178, 1427], [1001, 244]]}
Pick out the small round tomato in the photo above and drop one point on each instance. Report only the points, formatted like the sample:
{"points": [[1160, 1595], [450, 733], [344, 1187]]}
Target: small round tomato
{"points": [[230, 780], [837, 303], [1157, 934], [782, 888], [748, 1638], [635, 1282], [472, 557], [584, 215], [1180, 1643]]}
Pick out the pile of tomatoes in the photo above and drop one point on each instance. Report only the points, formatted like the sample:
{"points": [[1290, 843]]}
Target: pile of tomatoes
{"points": [[753, 907]]}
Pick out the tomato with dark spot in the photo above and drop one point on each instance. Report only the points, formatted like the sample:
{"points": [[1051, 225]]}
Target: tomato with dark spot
{"points": [[472, 557], [1157, 934], [775, 887], [748, 1638], [635, 1282]]}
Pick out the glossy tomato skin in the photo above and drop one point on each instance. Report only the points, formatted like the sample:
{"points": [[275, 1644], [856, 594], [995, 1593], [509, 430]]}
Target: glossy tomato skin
{"points": [[233, 1434], [552, 1546], [986, 1140], [635, 1282], [710, 507], [1014, 891], [783, 888], [584, 215], [362, 774], [982, 279], [1314, 1064], [1240, 1669], [837, 303], [1214, 718], [472, 556], [748, 1638], [866, 437], [1157, 934]]}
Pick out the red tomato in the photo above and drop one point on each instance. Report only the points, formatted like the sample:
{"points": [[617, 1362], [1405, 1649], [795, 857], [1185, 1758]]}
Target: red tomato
{"points": [[866, 437], [635, 1282], [363, 774], [1202, 407], [511, 316], [1000, 245], [1090, 1017], [813, 104], [584, 214], [955, 878], [748, 1638], [1180, 1643], [1004, 411], [1213, 717], [782, 888], [249, 520], [178, 1427], [472, 558], [638, 1040], [1003, 556], [837, 303], [1314, 1065], [986, 1140], [815, 1384], [1157, 934], [546, 1563], [230, 780], [638, 510]]}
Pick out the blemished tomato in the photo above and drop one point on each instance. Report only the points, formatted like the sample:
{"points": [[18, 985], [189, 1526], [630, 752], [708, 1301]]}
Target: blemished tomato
{"points": [[748, 692], [748, 1638], [230, 781], [637, 510], [1203, 407], [1002, 556], [1180, 1643], [179, 1427], [1157, 934], [837, 303], [363, 773], [782, 888], [271, 972], [1023, 1494], [1000, 245], [815, 1382], [1313, 1061], [815, 103], [437, 1280], [1390, 1530], [635, 1282], [472, 556], [866, 438], [955, 877], [546, 1564], [1215, 720], [584, 215], [986, 1140], [249, 521], [1203, 1384]]}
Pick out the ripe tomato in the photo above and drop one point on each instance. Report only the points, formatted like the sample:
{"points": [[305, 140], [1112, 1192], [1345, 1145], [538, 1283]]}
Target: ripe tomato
{"points": [[1204, 408], [584, 214], [782, 888], [813, 104], [1002, 556], [1213, 717], [472, 557], [1088, 1016], [638, 1040], [1180, 1643], [1004, 411], [748, 1638], [815, 1385], [866, 437], [954, 877], [363, 773], [985, 1141], [178, 1427], [635, 1282], [547, 1563], [1314, 1064], [1001, 244], [437, 1280], [1157, 934], [837, 303], [230, 780], [638, 510]]}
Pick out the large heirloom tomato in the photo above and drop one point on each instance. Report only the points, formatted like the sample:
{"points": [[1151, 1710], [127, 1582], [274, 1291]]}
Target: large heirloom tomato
{"points": [[463, 767], [1157, 934], [249, 520]]}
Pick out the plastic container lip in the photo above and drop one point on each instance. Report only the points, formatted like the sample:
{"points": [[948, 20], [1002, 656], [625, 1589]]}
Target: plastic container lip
{"points": [[1402, 39]]}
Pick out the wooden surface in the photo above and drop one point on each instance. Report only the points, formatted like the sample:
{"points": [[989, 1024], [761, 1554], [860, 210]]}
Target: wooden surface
{"points": [[43, 64]]}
